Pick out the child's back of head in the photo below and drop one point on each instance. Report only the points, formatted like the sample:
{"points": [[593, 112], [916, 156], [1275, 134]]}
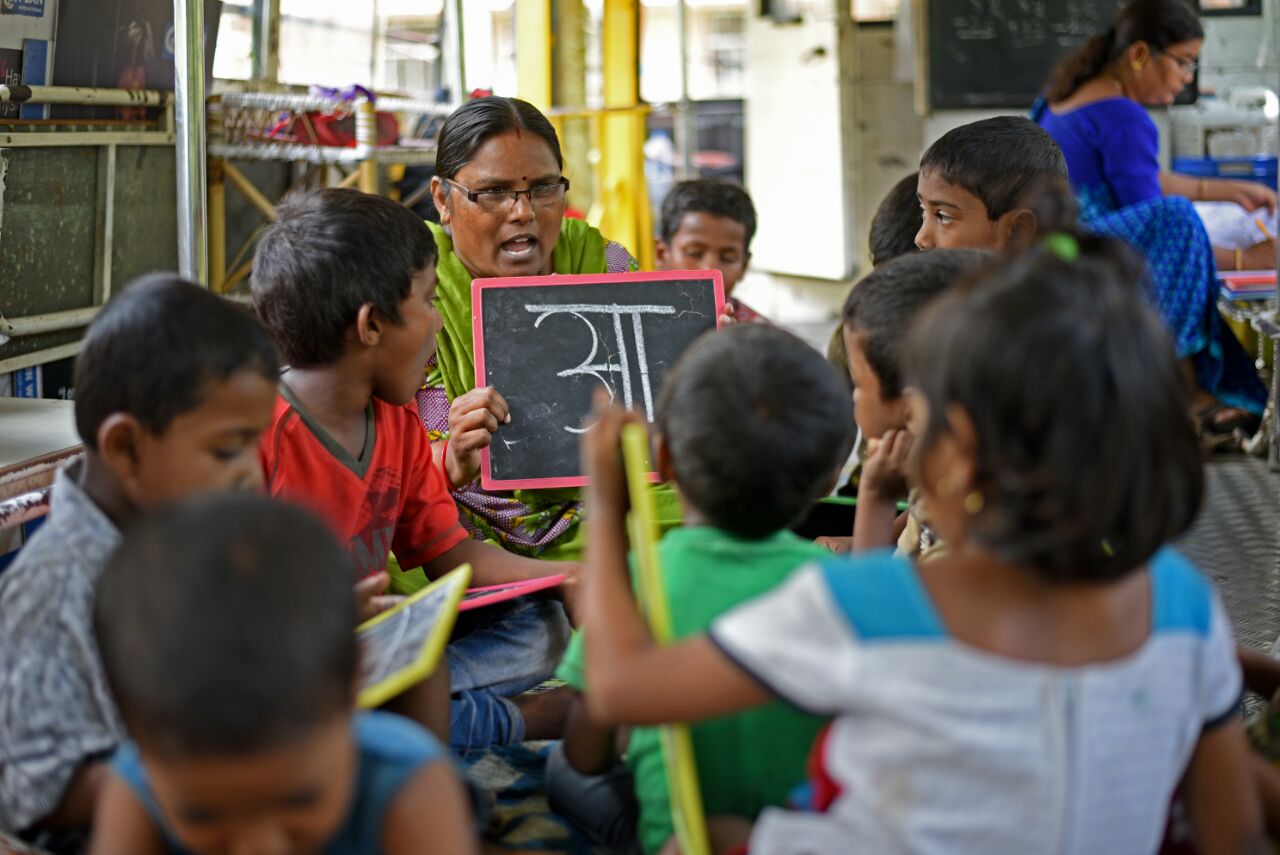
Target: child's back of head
{"points": [[227, 626], [1057, 214], [1084, 458], [896, 222], [757, 424], [173, 385], [328, 253]]}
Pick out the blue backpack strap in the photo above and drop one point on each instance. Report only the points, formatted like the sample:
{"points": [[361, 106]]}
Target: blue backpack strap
{"points": [[880, 595]]}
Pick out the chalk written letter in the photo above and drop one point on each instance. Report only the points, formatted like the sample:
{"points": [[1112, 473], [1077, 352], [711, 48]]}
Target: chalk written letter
{"points": [[547, 343]]}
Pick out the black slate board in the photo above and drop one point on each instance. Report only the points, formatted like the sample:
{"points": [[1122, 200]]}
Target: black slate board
{"points": [[546, 343], [999, 53]]}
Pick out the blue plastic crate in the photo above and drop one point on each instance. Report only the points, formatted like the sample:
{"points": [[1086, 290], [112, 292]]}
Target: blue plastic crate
{"points": [[1261, 169]]}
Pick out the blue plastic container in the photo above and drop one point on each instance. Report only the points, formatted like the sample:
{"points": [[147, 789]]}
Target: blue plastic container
{"points": [[1261, 169]]}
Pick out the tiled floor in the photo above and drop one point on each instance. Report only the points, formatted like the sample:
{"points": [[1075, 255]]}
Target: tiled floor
{"points": [[1237, 541]]}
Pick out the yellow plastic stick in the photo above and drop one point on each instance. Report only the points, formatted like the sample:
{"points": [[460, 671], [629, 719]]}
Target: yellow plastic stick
{"points": [[677, 744]]}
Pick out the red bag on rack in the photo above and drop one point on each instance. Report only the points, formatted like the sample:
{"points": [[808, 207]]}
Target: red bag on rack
{"points": [[338, 131]]}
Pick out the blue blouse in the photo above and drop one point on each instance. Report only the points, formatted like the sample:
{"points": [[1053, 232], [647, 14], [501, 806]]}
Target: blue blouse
{"points": [[1112, 152], [391, 749]]}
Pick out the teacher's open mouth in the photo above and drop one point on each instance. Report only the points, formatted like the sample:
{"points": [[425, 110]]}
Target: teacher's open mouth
{"points": [[520, 248]]}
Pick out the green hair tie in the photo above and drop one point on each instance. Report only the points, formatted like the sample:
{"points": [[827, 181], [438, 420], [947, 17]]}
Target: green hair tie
{"points": [[1062, 245]]}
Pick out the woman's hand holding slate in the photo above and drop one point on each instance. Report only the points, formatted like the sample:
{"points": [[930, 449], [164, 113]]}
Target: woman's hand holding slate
{"points": [[473, 419]]}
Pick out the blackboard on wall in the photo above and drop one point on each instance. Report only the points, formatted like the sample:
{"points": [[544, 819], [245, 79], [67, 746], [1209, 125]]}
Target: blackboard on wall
{"points": [[547, 343], [999, 53]]}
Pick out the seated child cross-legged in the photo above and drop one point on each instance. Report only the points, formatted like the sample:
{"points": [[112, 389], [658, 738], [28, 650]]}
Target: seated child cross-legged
{"points": [[1045, 684], [173, 387], [346, 281], [708, 225], [876, 317], [227, 630], [748, 453]]}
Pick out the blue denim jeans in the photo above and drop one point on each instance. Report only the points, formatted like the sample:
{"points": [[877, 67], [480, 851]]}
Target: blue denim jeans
{"points": [[500, 652]]}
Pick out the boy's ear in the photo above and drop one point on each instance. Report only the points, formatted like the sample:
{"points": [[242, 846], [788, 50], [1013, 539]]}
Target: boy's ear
{"points": [[439, 197], [120, 438], [369, 325], [660, 253], [663, 462], [1016, 230]]}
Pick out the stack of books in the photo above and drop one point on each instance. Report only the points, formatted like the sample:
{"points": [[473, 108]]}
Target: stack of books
{"points": [[1248, 284]]}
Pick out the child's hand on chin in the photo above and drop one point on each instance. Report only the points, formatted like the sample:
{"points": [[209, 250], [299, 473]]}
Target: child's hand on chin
{"points": [[602, 453], [885, 471]]}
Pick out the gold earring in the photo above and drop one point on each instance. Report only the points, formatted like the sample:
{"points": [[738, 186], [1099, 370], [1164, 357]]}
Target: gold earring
{"points": [[974, 503], [1136, 66]]}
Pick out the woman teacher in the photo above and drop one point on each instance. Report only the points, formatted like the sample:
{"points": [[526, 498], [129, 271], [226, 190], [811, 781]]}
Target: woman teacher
{"points": [[500, 191], [1094, 106]]}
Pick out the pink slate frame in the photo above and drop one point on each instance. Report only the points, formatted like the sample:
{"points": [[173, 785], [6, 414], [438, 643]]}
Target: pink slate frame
{"points": [[479, 286]]}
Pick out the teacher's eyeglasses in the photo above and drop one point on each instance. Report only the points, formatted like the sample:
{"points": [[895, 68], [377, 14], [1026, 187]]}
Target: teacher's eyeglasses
{"points": [[495, 201], [1186, 66]]}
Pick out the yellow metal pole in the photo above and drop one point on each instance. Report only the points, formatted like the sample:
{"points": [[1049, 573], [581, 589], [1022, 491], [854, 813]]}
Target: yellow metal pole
{"points": [[533, 51], [253, 194], [366, 140], [627, 218], [217, 225]]}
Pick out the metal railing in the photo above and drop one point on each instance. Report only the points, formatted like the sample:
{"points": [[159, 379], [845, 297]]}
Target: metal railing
{"points": [[79, 133]]}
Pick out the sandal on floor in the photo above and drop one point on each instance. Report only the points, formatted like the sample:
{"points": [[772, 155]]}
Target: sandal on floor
{"points": [[1222, 443], [1208, 421]]}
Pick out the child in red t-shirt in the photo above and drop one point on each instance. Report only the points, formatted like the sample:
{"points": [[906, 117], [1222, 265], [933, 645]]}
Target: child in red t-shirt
{"points": [[346, 281]]}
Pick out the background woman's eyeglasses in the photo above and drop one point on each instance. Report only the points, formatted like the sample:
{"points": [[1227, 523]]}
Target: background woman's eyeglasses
{"points": [[493, 201], [1186, 66]]}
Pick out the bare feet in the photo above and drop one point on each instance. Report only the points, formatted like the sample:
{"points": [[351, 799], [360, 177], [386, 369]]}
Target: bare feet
{"points": [[545, 713]]}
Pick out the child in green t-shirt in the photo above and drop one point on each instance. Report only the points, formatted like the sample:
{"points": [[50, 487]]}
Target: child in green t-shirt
{"points": [[752, 428]]}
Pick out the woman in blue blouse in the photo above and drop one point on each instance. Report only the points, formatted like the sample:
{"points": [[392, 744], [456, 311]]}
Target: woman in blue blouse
{"points": [[1093, 107]]}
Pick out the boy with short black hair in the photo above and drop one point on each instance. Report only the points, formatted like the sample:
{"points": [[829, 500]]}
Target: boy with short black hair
{"points": [[877, 316], [346, 283], [752, 428], [227, 632], [893, 233], [896, 222], [709, 225], [976, 182], [173, 387]]}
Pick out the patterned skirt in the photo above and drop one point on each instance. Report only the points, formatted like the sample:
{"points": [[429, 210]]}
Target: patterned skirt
{"points": [[1183, 286]]}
